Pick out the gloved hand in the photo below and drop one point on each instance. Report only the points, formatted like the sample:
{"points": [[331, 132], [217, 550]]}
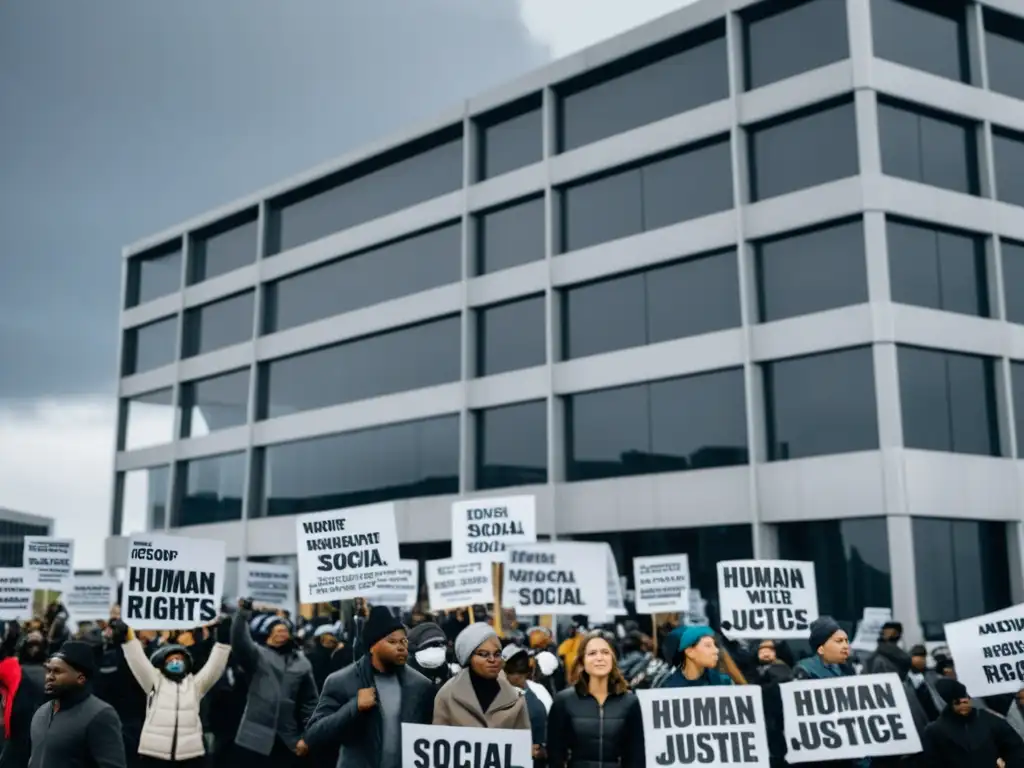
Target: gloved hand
{"points": [[223, 630]]}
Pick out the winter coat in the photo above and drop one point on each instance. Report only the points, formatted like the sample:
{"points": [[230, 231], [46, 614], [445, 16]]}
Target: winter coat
{"points": [[1015, 718], [282, 692], [583, 734], [337, 723], [457, 704], [324, 662], [84, 732], [974, 741], [814, 668], [115, 684], [709, 677], [173, 729]]}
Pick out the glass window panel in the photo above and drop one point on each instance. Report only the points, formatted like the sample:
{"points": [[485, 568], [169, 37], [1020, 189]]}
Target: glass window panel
{"points": [[948, 402], [788, 38], [609, 433], [405, 359], [144, 500], [150, 346], [149, 420], [210, 490], [803, 150], [511, 141], [929, 148], [656, 83], [512, 445], [217, 325], [1013, 280], [1004, 47], [602, 209], [1017, 388], [510, 236], [1008, 154], [154, 274], [413, 174], [219, 402], [511, 336], [937, 268], [418, 263], [821, 404], [811, 271], [930, 35], [586, 309], [399, 461], [223, 248]]}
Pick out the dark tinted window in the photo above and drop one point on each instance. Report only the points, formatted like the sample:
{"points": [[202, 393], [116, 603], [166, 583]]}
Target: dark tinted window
{"points": [[930, 35], [400, 461], [150, 346], [418, 263], [149, 420], [937, 268], [1013, 280], [687, 298], [803, 150], [512, 445], [510, 236], [928, 147], [413, 174], [1017, 388], [851, 564], [975, 573], [511, 336], [218, 402], [658, 82], [948, 401], [511, 138], [1004, 46], [210, 490], [821, 404], [408, 358], [788, 38], [811, 271], [224, 247], [143, 503], [694, 422], [1008, 153], [694, 183], [154, 274], [219, 324]]}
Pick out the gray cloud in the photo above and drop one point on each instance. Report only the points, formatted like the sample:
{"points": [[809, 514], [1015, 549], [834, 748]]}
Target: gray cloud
{"points": [[120, 118]]}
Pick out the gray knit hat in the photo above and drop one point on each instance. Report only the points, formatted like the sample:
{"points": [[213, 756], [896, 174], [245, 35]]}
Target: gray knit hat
{"points": [[471, 638]]}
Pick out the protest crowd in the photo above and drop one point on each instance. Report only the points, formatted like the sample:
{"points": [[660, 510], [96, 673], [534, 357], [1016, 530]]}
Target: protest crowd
{"points": [[756, 677]]}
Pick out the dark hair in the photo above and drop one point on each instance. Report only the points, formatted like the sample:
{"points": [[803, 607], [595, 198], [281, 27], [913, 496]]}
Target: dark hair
{"points": [[616, 682], [518, 665]]}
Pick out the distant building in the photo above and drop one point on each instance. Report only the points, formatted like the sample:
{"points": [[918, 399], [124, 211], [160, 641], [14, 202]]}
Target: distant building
{"points": [[14, 527]]}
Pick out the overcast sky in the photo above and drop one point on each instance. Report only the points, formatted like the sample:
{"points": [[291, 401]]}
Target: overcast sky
{"points": [[120, 118]]}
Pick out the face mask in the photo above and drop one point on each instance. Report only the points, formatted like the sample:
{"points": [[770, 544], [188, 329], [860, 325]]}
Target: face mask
{"points": [[547, 663], [175, 666], [431, 658]]}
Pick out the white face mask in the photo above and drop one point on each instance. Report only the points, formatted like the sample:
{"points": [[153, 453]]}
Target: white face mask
{"points": [[431, 658]]}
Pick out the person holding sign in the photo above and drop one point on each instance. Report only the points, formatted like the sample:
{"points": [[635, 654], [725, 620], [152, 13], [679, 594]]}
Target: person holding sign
{"points": [[480, 696], [831, 645], [694, 654], [597, 722], [173, 730], [965, 736]]}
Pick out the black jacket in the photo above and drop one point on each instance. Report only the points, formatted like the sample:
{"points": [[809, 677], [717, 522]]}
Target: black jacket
{"points": [[977, 740], [84, 733], [582, 734], [29, 697], [323, 662]]}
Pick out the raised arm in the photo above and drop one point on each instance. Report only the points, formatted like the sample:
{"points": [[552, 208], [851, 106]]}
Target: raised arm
{"points": [[242, 644], [145, 674]]}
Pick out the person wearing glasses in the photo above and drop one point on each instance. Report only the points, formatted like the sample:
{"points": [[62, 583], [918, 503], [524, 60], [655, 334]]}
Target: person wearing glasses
{"points": [[362, 707], [480, 696]]}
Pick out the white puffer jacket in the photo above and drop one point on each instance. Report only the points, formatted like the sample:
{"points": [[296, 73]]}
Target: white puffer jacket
{"points": [[174, 706]]}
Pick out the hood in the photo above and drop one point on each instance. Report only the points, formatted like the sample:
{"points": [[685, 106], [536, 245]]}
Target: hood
{"points": [[160, 656]]}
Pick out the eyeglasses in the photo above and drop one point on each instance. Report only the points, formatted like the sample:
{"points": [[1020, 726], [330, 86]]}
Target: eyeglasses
{"points": [[488, 656]]}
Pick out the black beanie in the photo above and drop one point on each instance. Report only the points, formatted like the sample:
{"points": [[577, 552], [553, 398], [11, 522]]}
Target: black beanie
{"points": [[950, 690], [822, 628], [379, 625], [79, 656], [425, 633]]}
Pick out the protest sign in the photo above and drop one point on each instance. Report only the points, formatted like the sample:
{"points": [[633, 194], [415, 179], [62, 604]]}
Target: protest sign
{"points": [[767, 599], [89, 598], [566, 578], [662, 583], [341, 551], [616, 602], [17, 588], [173, 582], [268, 584], [483, 529], [455, 584], [988, 651], [51, 559], [847, 718], [442, 746], [869, 628], [704, 726], [398, 587]]}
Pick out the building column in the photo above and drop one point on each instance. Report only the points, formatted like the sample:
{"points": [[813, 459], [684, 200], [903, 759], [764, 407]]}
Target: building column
{"points": [[902, 571]]}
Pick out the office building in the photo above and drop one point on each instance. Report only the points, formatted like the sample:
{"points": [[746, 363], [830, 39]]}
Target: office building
{"points": [[14, 527], [745, 281]]}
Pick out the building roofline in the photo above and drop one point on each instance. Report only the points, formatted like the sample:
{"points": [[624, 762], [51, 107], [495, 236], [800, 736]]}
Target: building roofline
{"points": [[24, 517]]}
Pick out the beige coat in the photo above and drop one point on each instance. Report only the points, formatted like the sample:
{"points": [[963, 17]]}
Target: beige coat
{"points": [[456, 704]]}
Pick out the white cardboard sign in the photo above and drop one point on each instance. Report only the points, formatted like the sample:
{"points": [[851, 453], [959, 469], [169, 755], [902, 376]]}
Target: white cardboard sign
{"points": [[869, 628], [767, 599], [455, 584], [52, 560], [89, 598], [172, 582], [443, 746], [704, 725], [565, 578], [988, 651], [662, 583], [341, 551], [17, 588], [398, 587], [269, 584], [847, 718], [483, 529]]}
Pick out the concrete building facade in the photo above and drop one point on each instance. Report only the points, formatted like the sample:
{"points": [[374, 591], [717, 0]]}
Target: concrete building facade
{"points": [[14, 527]]}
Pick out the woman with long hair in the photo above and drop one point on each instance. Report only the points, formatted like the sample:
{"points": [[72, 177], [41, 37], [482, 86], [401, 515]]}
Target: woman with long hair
{"points": [[597, 721]]}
